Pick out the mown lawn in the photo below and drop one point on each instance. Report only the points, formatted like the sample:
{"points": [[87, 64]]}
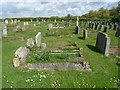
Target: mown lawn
{"points": [[104, 69]]}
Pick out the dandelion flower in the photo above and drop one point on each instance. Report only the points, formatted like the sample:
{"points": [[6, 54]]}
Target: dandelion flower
{"points": [[10, 86]]}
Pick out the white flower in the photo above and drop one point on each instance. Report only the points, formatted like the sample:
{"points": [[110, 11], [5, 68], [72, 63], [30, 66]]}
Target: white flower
{"points": [[79, 84], [10, 86], [87, 84], [12, 81], [53, 85], [42, 72], [40, 79], [7, 81], [57, 80], [31, 79], [59, 84], [51, 75], [83, 84]]}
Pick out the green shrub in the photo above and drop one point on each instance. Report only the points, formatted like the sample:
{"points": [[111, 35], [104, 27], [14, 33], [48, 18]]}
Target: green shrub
{"points": [[42, 56]]}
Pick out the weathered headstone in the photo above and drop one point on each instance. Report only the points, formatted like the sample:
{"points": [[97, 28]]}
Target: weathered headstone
{"points": [[38, 39], [117, 34], [23, 28], [110, 26], [4, 32], [84, 33], [22, 53], [92, 25], [50, 26], [96, 26], [34, 25], [31, 20], [77, 27], [115, 27], [43, 45], [6, 21], [105, 29], [30, 42], [101, 26], [103, 43]]}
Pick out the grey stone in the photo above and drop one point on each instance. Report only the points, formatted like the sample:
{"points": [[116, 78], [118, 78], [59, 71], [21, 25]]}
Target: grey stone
{"points": [[101, 26], [43, 46], [50, 26], [30, 42], [16, 62], [38, 39], [84, 33], [105, 29], [103, 43], [22, 53], [115, 27]]}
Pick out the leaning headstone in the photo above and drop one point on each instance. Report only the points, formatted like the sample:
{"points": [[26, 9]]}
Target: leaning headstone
{"points": [[103, 43], [43, 46], [50, 26], [30, 42], [105, 29], [115, 27], [38, 39], [84, 33], [117, 34], [22, 53], [101, 26]]}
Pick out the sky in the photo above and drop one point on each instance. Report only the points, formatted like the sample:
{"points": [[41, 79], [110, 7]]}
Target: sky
{"points": [[48, 8]]}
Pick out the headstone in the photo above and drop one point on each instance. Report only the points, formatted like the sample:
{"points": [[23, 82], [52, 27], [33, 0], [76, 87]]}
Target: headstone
{"points": [[15, 30], [103, 43], [110, 26], [12, 22], [22, 53], [84, 33], [4, 32], [30, 42], [101, 26], [117, 34], [105, 29], [115, 27], [16, 62], [50, 26], [31, 20], [43, 46], [92, 25], [24, 23], [6, 21], [55, 21], [23, 28], [38, 39], [96, 26], [77, 27], [34, 25], [27, 23]]}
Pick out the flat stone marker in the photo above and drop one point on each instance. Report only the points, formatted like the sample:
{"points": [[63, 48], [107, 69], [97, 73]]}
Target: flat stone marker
{"points": [[38, 39], [105, 29], [30, 42], [103, 43], [84, 33], [43, 46]]}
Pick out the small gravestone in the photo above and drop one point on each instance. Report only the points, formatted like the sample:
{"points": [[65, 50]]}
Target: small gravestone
{"points": [[110, 26], [34, 25], [84, 33], [43, 46], [38, 39], [105, 29], [101, 26], [50, 26], [90, 25], [4, 32], [23, 28], [117, 34], [27, 23], [6, 21], [30, 42], [24, 23], [31, 20], [103, 43], [115, 27]]}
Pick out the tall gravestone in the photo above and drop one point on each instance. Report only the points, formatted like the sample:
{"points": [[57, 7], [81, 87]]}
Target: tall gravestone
{"points": [[38, 39], [77, 27], [103, 43]]}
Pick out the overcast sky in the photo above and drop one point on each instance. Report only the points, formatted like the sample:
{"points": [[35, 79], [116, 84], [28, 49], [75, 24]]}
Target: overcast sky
{"points": [[45, 8]]}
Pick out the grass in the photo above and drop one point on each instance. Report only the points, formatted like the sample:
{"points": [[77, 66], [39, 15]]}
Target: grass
{"points": [[104, 69]]}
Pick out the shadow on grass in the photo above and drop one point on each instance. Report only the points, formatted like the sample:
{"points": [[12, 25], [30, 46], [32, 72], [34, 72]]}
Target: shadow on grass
{"points": [[81, 38], [93, 48]]}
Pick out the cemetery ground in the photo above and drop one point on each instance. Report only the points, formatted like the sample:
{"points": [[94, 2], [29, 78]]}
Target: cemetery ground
{"points": [[104, 72]]}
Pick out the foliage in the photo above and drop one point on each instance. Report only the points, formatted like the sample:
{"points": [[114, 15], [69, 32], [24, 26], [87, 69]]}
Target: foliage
{"points": [[42, 56]]}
